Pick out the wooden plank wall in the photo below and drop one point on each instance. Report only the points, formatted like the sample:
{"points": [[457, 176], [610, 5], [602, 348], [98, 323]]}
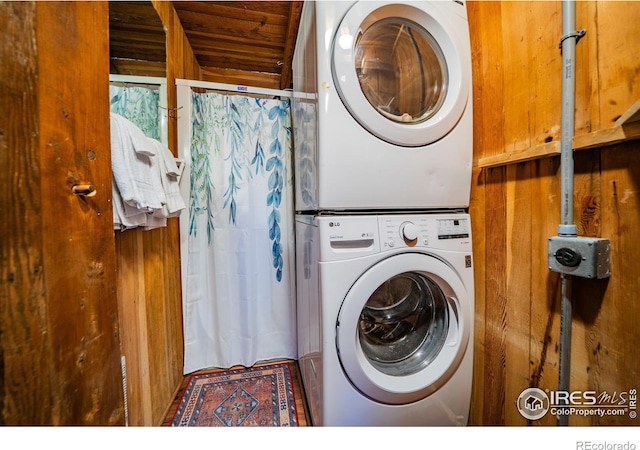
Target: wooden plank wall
{"points": [[181, 62], [149, 292], [59, 343], [515, 207]]}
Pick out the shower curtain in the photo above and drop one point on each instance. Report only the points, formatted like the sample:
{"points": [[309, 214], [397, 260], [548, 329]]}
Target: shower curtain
{"points": [[140, 105], [239, 305]]}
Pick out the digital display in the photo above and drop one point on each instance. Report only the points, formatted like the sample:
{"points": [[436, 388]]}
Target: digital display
{"points": [[453, 228]]}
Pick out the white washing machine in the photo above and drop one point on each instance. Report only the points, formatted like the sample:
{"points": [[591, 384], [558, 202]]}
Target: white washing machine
{"points": [[382, 110], [385, 318]]}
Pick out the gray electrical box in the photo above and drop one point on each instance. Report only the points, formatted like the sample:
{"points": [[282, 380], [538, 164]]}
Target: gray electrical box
{"points": [[580, 256]]}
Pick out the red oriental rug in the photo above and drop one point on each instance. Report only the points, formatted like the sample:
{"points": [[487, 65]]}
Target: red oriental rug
{"points": [[260, 396]]}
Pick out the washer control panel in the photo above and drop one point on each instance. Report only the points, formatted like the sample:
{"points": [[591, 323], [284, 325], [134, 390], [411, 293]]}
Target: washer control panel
{"points": [[345, 237], [437, 231], [403, 231]]}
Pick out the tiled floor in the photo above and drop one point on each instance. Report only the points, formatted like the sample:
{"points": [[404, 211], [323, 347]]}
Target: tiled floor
{"points": [[301, 404]]}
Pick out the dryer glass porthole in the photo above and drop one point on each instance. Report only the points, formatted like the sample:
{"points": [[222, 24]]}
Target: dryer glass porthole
{"points": [[404, 324], [401, 70]]}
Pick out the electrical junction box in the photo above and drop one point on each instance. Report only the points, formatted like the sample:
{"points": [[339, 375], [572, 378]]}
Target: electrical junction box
{"points": [[580, 256]]}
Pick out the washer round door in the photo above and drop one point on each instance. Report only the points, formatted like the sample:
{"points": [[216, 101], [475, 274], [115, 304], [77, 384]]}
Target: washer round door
{"points": [[403, 328], [400, 72]]}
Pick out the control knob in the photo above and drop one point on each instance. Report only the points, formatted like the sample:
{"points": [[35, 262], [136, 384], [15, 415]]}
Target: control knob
{"points": [[409, 232]]}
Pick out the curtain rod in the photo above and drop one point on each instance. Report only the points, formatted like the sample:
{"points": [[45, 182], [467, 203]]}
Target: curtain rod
{"points": [[136, 79], [232, 87]]}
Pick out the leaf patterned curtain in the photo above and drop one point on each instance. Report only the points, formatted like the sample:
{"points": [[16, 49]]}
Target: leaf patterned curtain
{"points": [[140, 105], [240, 302]]}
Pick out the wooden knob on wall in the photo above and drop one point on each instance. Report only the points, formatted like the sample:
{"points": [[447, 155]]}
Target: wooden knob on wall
{"points": [[86, 190]]}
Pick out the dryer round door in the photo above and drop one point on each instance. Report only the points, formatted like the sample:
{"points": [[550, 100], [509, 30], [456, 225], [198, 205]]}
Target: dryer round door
{"points": [[403, 328], [401, 71]]}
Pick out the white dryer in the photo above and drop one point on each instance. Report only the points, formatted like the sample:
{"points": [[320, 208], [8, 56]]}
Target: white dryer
{"points": [[382, 109], [385, 318]]}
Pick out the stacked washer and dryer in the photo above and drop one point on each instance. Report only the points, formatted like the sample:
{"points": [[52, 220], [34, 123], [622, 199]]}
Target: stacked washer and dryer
{"points": [[382, 118]]}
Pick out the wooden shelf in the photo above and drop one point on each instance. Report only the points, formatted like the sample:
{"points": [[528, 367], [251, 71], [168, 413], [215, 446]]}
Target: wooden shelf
{"points": [[626, 128]]}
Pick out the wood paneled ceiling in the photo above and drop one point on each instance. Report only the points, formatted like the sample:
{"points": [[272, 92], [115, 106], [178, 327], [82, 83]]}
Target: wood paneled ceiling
{"points": [[137, 41], [236, 42]]}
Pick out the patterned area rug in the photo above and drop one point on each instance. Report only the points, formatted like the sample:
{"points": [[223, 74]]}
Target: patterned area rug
{"points": [[260, 396]]}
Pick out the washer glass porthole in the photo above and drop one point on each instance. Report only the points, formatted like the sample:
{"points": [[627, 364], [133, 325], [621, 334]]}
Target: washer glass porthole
{"points": [[401, 70], [404, 324]]}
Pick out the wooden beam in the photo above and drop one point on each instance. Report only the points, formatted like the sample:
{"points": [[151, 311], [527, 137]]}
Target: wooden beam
{"points": [[286, 77], [604, 138], [627, 128], [536, 152], [25, 351], [59, 345], [632, 115]]}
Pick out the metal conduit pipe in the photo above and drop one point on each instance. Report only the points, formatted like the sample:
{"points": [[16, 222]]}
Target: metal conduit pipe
{"points": [[568, 45], [566, 313], [570, 255], [567, 227]]}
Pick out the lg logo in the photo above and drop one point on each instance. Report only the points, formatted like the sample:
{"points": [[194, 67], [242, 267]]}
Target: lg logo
{"points": [[334, 224]]}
